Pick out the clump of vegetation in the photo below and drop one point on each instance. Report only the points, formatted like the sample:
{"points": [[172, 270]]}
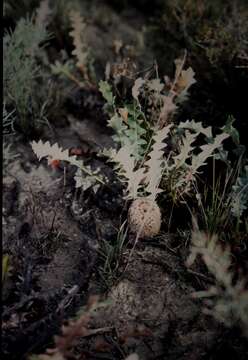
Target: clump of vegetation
{"points": [[239, 194], [143, 129], [228, 298], [215, 36], [80, 71], [219, 28], [153, 104], [22, 51], [176, 172], [141, 160], [223, 204], [110, 256]]}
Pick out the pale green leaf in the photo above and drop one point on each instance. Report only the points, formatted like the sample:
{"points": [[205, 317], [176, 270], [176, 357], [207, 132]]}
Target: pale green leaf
{"points": [[106, 91]]}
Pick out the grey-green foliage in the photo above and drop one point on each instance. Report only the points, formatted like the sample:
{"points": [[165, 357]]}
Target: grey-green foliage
{"points": [[85, 177], [153, 104], [106, 91], [20, 68], [131, 134], [232, 131], [128, 122], [176, 170], [184, 163], [240, 194], [141, 158]]}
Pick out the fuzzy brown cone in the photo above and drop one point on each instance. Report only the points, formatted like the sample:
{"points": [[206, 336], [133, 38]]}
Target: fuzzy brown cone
{"points": [[144, 218]]}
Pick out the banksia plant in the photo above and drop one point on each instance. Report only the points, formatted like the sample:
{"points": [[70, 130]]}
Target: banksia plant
{"points": [[144, 216], [176, 171], [141, 162]]}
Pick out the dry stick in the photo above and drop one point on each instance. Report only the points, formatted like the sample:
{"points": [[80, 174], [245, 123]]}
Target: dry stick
{"points": [[98, 331], [150, 68], [170, 218], [207, 278]]}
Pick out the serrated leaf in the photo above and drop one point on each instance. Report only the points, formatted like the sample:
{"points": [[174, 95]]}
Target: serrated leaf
{"points": [[126, 163], [106, 91], [80, 49], [136, 88], [185, 149], [116, 123], [85, 181], [207, 151], [51, 152], [229, 129], [130, 135], [154, 164], [197, 127], [54, 152]]}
